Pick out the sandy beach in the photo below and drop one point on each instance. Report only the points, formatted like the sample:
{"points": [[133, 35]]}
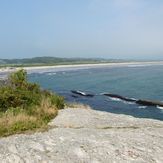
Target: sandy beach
{"points": [[80, 66]]}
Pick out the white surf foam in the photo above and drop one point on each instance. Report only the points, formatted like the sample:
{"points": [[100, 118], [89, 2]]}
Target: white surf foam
{"points": [[145, 65], [117, 99], [127, 102], [142, 107], [114, 99], [160, 107], [51, 73]]}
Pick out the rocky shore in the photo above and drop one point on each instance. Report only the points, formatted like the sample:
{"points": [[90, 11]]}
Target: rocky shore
{"points": [[88, 136]]}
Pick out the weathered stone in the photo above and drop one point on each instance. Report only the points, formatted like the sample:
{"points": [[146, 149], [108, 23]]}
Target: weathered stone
{"points": [[149, 103], [88, 136]]}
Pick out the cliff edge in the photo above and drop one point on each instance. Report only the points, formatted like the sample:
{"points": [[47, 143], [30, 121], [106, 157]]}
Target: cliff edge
{"points": [[88, 136]]}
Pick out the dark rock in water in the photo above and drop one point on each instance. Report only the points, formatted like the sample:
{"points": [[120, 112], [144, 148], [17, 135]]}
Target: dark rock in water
{"points": [[140, 101], [120, 97], [137, 101], [82, 93], [149, 103]]}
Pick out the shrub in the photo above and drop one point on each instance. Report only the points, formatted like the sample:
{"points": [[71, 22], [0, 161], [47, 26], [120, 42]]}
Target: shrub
{"points": [[25, 106], [20, 93], [58, 101]]}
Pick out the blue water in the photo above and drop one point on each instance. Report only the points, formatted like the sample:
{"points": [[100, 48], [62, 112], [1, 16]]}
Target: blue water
{"points": [[136, 82]]}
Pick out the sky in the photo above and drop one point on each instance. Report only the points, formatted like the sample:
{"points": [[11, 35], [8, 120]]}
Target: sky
{"points": [[119, 29]]}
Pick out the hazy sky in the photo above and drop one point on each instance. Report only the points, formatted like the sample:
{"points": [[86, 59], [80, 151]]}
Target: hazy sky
{"points": [[81, 28]]}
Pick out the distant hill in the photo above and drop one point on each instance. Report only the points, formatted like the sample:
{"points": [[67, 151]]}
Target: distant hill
{"points": [[54, 61]]}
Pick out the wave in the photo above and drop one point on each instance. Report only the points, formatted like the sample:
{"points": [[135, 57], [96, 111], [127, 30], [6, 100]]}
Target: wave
{"points": [[138, 65], [160, 107], [82, 93], [130, 103], [51, 73], [142, 107], [119, 97], [115, 99], [120, 100]]}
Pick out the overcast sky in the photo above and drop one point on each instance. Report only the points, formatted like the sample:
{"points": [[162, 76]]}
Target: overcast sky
{"points": [[81, 28]]}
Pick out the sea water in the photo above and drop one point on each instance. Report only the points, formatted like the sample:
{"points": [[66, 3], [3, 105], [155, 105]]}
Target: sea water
{"points": [[139, 82]]}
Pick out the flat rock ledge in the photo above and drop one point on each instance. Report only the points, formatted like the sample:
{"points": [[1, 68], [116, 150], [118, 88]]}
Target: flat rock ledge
{"points": [[88, 136]]}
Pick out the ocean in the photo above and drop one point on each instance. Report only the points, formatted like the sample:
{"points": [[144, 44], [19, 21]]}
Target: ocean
{"points": [[132, 81]]}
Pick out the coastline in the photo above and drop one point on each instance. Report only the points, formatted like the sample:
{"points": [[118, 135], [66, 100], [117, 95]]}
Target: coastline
{"points": [[95, 65], [86, 135], [81, 66]]}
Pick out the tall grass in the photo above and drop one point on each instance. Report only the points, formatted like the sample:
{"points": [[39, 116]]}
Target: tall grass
{"points": [[24, 106]]}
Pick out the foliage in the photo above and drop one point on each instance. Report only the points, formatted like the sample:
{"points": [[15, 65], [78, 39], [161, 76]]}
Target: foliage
{"points": [[25, 105], [58, 101], [19, 93], [49, 60]]}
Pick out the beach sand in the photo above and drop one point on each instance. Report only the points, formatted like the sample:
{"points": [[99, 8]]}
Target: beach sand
{"points": [[82, 66]]}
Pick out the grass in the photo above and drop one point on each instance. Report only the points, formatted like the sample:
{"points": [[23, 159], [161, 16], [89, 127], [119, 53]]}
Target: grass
{"points": [[18, 120], [25, 106]]}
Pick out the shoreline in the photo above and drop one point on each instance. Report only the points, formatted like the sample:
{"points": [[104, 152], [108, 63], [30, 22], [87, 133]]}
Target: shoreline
{"points": [[81, 66]]}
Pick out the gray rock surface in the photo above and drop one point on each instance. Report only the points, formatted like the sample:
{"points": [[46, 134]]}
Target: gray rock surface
{"points": [[88, 136]]}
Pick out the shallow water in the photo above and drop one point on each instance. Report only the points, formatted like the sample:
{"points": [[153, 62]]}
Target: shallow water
{"points": [[140, 82]]}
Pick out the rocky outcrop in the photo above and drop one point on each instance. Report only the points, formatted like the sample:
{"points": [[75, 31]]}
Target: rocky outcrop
{"points": [[82, 93], [149, 103], [137, 101], [88, 136], [119, 97]]}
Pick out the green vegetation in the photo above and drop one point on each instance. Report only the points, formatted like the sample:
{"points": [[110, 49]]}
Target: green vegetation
{"points": [[50, 61], [25, 106]]}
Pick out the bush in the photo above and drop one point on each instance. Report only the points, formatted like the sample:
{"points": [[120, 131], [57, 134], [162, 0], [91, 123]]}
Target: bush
{"points": [[20, 93], [58, 101], [25, 105]]}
